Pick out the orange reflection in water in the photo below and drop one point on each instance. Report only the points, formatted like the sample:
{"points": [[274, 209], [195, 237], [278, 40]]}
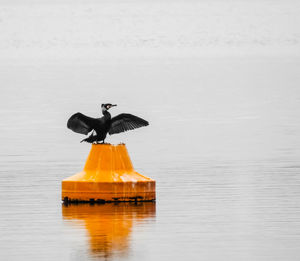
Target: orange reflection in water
{"points": [[109, 225]]}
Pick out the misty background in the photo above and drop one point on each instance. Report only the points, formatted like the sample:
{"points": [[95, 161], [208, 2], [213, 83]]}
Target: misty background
{"points": [[217, 80]]}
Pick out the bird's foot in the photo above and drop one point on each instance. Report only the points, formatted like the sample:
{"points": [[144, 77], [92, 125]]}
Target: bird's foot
{"points": [[98, 142]]}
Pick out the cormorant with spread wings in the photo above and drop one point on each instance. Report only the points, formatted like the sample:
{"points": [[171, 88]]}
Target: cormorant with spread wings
{"points": [[99, 127]]}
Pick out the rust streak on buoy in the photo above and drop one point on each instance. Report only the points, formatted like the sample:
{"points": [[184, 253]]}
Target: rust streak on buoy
{"points": [[108, 176]]}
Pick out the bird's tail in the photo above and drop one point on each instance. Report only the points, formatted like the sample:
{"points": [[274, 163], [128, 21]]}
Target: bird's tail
{"points": [[88, 140]]}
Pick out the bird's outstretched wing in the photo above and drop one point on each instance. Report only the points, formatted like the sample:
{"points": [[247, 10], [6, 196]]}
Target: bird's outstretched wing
{"points": [[125, 122], [81, 123]]}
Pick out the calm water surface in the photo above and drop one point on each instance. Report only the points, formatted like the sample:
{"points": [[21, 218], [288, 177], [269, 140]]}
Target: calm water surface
{"points": [[223, 146]]}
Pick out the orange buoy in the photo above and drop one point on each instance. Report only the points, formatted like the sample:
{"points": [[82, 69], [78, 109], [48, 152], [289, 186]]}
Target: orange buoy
{"points": [[108, 176]]}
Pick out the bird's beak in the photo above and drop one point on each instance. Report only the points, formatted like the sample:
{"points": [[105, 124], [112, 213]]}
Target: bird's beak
{"points": [[113, 105]]}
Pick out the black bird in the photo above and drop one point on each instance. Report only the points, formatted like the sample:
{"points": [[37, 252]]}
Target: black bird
{"points": [[83, 124]]}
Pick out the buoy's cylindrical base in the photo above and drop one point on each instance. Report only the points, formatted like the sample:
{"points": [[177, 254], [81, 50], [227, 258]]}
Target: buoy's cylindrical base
{"points": [[108, 191]]}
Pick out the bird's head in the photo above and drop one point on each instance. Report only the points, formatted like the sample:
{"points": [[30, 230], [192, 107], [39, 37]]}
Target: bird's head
{"points": [[107, 106]]}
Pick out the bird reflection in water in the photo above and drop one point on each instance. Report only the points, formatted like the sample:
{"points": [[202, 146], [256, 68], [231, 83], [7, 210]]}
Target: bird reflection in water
{"points": [[109, 225]]}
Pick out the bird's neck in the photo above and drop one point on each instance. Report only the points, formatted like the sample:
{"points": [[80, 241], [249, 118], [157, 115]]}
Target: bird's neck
{"points": [[106, 114]]}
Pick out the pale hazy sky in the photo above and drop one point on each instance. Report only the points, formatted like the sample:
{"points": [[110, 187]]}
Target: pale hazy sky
{"points": [[89, 29]]}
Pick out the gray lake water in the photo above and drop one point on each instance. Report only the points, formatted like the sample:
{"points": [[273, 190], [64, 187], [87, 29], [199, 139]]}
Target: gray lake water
{"points": [[223, 146], [223, 142]]}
